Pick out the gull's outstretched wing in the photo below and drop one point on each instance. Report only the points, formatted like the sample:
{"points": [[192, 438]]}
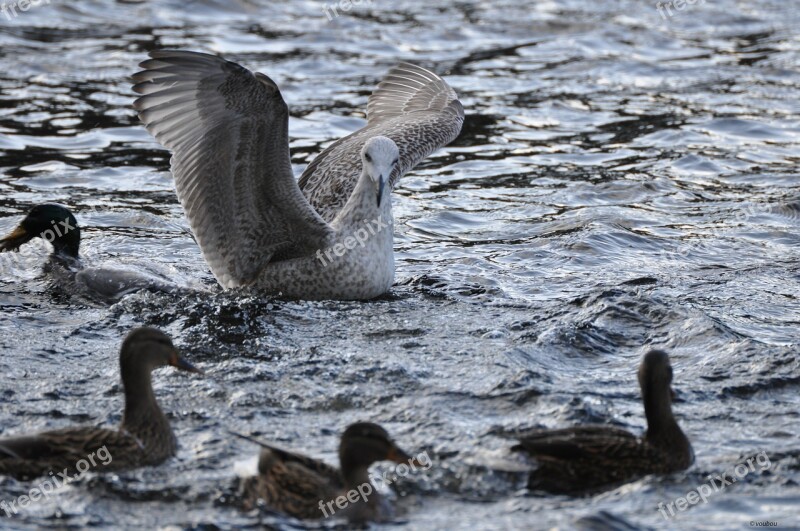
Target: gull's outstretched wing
{"points": [[412, 106], [227, 129]]}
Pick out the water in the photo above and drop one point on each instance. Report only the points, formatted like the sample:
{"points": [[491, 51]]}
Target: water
{"points": [[623, 180]]}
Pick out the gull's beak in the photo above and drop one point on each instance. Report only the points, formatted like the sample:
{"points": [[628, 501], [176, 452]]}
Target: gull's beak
{"points": [[13, 240], [182, 364], [381, 185], [398, 456]]}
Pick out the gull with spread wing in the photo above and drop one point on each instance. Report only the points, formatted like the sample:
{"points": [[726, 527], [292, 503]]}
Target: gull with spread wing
{"points": [[326, 236]]}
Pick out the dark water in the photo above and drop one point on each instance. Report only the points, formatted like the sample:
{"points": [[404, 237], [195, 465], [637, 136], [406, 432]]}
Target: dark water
{"points": [[623, 180]]}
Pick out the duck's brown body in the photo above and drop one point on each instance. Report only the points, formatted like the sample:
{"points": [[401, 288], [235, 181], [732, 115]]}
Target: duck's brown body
{"points": [[306, 488], [144, 438], [292, 483], [585, 459], [590, 458], [59, 450]]}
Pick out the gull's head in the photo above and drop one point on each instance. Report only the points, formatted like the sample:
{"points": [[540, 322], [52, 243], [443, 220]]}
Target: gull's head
{"points": [[379, 156]]}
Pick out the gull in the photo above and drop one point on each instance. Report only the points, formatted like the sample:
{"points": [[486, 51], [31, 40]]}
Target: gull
{"points": [[328, 235]]}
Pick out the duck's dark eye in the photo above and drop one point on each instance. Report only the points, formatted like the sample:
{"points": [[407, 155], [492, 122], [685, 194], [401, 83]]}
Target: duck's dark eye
{"points": [[395, 161], [367, 157]]}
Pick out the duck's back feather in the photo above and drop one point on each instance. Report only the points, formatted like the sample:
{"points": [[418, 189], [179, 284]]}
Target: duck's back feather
{"points": [[587, 458], [54, 451], [292, 483]]}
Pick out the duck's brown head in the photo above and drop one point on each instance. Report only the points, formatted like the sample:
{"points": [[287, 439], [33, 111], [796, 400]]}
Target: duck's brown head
{"points": [[655, 373], [146, 349], [364, 443], [655, 379]]}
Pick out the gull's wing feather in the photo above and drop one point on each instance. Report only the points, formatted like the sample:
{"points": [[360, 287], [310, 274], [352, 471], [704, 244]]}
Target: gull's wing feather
{"points": [[408, 89], [227, 129], [412, 106]]}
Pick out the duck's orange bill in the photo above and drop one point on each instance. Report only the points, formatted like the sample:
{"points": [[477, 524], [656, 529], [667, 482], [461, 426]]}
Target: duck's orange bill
{"points": [[398, 456], [184, 365]]}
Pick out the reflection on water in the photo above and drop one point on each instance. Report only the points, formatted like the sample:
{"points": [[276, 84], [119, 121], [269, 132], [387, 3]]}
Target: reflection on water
{"points": [[622, 180]]}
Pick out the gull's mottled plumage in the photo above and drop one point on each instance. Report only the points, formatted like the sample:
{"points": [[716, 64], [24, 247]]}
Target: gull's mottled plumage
{"points": [[256, 225], [413, 107]]}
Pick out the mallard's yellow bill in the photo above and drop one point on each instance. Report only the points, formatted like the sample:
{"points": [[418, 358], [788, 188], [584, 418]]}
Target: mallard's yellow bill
{"points": [[13, 240]]}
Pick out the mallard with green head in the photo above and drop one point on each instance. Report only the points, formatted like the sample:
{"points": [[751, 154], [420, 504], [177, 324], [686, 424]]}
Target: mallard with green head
{"points": [[306, 488], [586, 459], [51, 222], [144, 438], [57, 225]]}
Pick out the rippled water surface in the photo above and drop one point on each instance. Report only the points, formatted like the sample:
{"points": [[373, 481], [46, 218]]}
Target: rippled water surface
{"points": [[624, 179]]}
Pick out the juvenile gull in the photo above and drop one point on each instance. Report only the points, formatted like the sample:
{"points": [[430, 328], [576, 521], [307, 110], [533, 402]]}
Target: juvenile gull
{"points": [[328, 236]]}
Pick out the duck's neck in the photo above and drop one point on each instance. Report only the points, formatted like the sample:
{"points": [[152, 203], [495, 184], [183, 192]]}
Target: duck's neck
{"points": [[354, 478], [70, 263], [67, 249], [65, 238], [662, 428], [143, 417]]}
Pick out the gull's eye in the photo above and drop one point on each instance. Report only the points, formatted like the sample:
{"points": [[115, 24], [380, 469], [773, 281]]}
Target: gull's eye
{"points": [[367, 157], [395, 161]]}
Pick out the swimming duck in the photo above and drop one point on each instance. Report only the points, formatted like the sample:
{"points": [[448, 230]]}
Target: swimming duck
{"points": [[584, 459], [57, 225], [144, 438], [306, 488], [51, 222]]}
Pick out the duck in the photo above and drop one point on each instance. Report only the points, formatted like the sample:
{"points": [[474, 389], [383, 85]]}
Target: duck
{"points": [[587, 459], [306, 488], [57, 225], [144, 438]]}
